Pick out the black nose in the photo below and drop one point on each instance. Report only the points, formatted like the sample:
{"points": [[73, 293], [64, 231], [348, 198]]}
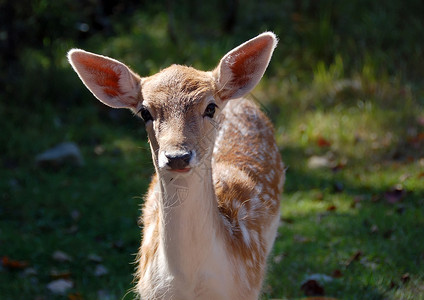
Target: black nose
{"points": [[178, 160]]}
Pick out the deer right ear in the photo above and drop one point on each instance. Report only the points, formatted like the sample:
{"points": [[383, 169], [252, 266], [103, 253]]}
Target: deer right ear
{"points": [[240, 70], [112, 82]]}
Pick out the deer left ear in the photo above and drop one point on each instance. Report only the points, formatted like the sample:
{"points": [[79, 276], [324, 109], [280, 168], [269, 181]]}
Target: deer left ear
{"points": [[240, 70], [112, 82]]}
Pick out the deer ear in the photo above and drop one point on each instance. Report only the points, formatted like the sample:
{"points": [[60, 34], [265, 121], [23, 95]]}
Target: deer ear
{"points": [[112, 82], [240, 70]]}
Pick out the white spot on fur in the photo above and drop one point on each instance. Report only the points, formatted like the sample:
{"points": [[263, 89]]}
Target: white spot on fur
{"points": [[244, 233]]}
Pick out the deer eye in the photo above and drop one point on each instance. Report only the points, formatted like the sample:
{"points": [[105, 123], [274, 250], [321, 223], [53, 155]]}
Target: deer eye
{"points": [[210, 110], [145, 114]]}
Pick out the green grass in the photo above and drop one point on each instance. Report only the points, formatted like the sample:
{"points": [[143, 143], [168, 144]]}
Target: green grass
{"points": [[342, 90]]}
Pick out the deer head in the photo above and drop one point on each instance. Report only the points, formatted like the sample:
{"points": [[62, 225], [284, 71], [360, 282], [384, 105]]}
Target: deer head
{"points": [[179, 105]]}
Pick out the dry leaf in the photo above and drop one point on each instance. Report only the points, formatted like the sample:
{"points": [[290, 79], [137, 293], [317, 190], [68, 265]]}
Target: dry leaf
{"points": [[337, 273], [332, 208], [354, 257], [405, 277], [60, 275], [75, 296], [374, 229], [279, 257], [13, 264], [312, 288], [322, 142], [395, 195], [301, 239]]}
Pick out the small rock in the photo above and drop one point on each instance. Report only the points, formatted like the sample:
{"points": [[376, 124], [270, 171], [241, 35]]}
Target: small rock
{"points": [[100, 271], [60, 286], [62, 154], [28, 272], [316, 162], [61, 256], [95, 258]]}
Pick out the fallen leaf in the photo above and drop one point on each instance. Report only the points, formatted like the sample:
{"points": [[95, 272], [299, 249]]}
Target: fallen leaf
{"points": [[338, 167], [392, 285], [357, 201], [374, 229], [75, 296], [60, 286], [421, 175], [337, 273], [395, 195], [404, 177], [312, 288], [354, 257], [13, 264], [301, 239], [99, 150], [319, 196], [279, 257], [331, 208], [322, 142], [405, 277], [60, 275]]}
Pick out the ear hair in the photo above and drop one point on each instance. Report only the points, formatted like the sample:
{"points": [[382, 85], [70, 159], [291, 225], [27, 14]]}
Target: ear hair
{"points": [[240, 70], [112, 82]]}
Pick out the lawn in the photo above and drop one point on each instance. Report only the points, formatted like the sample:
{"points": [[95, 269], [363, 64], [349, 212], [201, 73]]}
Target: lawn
{"points": [[345, 95]]}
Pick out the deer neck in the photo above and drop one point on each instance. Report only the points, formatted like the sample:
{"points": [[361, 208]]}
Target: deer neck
{"points": [[188, 225]]}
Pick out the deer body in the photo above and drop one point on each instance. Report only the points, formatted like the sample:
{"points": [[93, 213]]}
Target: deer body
{"points": [[212, 209]]}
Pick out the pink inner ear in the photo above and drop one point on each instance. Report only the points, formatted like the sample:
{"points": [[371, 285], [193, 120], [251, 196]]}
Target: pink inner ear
{"points": [[104, 76], [245, 63]]}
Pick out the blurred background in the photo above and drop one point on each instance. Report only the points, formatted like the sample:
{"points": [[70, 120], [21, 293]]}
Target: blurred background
{"points": [[344, 90]]}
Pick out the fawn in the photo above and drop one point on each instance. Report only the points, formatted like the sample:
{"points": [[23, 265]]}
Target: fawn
{"points": [[212, 210]]}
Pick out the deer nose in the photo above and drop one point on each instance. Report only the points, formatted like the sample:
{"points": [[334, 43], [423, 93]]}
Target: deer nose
{"points": [[178, 160]]}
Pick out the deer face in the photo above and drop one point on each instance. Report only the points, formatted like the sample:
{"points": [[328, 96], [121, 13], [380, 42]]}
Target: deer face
{"points": [[179, 110]]}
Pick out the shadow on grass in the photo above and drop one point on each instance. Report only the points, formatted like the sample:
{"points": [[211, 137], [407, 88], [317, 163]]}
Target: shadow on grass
{"points": [[336, 223]]}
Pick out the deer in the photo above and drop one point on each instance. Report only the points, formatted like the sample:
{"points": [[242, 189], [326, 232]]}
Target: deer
{"points": [[212, 210]]}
